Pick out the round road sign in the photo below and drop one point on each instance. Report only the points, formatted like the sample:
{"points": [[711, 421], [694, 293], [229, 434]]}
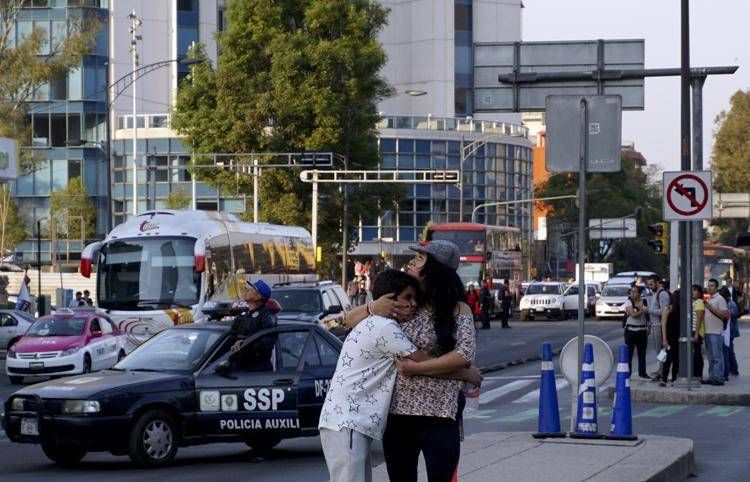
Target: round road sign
{"points": [[690, 188]]}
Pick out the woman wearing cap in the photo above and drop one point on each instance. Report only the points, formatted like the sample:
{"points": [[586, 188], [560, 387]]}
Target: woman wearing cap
{"points": [[424, 407]]}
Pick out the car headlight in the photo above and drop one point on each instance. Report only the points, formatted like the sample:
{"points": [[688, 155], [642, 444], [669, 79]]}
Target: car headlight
{"points": [[17, 404], [11, 354], [556, 301], [81, 406], [70, 351], [601, 303]]}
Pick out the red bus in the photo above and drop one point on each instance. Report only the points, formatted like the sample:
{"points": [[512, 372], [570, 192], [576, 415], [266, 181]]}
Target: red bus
{"points": [[486, 251]]}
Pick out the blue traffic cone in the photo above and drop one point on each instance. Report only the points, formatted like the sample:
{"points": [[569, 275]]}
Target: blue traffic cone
{"points": [[622, 420], [549, 413], [586, 425]]}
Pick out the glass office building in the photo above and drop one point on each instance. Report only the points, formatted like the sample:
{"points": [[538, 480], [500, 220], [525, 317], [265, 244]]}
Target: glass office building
{"points": [[494, 164], [63, 112]]}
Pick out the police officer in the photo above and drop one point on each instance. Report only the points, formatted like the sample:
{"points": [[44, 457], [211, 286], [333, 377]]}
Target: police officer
{"points": [[257, 317]]}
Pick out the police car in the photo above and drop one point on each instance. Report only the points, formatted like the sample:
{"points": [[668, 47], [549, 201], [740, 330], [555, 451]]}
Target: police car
{"points": [[183, 387]]}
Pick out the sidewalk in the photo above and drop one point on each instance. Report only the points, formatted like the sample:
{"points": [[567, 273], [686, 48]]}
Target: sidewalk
{"points": [[734, 392], [516, 456]]}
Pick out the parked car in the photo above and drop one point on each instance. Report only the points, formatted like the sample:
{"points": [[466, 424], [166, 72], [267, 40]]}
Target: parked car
{"points": [[67, 342], [183, 387], [571, 300], [543, 299], [13, 324], [322, 302]]}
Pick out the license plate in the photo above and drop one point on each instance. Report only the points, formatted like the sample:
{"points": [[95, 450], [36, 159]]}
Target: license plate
{"points": [[36, 365], [29, 426], [614, 311]]}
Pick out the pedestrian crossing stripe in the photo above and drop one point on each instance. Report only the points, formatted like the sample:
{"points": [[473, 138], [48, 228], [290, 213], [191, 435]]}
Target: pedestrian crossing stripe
{"points": [[722, 411], [663, 411]]}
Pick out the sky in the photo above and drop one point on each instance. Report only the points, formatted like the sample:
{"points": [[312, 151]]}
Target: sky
{"points": [[719, 36]]}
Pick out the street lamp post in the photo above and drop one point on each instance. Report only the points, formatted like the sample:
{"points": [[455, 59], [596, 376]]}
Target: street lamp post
{"points": [[135, 22]]}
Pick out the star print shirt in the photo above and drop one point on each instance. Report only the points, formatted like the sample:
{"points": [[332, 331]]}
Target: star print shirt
{"points": [[428, 396], [361, 387]]}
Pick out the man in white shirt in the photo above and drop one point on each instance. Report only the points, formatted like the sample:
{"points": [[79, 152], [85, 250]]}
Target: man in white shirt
{"points": [[356, 407], [659, 299], [716, 312]]}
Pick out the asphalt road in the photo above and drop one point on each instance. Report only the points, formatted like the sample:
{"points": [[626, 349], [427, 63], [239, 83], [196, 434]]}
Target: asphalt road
{"points": [[509, 403]]}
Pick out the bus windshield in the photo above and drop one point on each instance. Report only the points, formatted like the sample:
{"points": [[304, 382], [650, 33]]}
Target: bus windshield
{"points": [[148, 274], [468, 242], [470, 273]]}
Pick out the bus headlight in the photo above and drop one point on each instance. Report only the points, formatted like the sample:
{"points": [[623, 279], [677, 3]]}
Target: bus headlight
{"points": [[81, 406]]}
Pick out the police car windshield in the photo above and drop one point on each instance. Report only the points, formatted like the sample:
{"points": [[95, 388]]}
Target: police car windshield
{"points": [[298, 300], [57, 327], [171, 350]]}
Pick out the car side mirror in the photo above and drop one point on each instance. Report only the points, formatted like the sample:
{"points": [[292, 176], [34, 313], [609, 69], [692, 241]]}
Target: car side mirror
{"points": [[334, 309], [223, 369]]}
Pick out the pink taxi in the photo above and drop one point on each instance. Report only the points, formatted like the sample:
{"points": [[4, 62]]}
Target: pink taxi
{"points": [[68, 342]]}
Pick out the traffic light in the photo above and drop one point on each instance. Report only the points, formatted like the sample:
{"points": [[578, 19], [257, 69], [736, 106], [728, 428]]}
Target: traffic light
{"points": [[660, 243]]}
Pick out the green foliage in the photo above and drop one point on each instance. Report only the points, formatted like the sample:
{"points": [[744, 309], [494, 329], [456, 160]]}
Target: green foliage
{"points": [[69, 207], [298, 75], [24, 69], [611, 195], [178, 199], [13, 230], [730, 161]]}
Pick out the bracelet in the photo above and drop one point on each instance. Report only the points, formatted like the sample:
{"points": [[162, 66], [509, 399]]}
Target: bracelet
{"points": [[369, 308]]}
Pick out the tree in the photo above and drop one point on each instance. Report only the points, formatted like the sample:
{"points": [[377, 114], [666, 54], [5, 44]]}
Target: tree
{"points": [[610, 195], [730, 161], [69, 207], [299, 75], [40, 57], [178, 199], [13, 230]]}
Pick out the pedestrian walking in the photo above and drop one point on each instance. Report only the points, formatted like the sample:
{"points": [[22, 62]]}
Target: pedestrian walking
{"points": [[699, 330], [472, 299], [659, 300], [636, 329], [505, 304], [717, 314], [670, 336], [485, 299]]}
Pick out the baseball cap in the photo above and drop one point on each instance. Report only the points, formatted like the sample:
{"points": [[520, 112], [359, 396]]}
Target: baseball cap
{"points": [[444, 252], [261, 287]]}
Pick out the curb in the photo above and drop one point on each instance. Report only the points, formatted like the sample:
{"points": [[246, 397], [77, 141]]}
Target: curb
{"points": [[693, 397], [502, 366], [681, 469]]}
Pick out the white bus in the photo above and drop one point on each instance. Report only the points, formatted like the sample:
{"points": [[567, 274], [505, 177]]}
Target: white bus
{"points": [[157, 269]]}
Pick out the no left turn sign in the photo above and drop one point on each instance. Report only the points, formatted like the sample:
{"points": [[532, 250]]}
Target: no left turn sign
{"points": [[687, 195]]}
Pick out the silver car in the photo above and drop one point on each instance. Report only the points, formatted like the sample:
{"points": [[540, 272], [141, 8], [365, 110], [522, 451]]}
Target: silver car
{"points": [[13, 325]]}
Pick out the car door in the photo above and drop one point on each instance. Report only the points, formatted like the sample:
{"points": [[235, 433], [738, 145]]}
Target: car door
{"points": [[250, 398], [318, 363], [571, 298], [8, 327], [109, 343], [97, 345]]}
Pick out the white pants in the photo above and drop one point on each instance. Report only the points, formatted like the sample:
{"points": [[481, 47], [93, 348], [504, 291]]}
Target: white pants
{"points": [[347, 454]]}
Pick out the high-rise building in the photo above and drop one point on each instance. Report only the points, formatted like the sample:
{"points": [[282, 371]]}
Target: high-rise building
{"points": [[429, 44]]}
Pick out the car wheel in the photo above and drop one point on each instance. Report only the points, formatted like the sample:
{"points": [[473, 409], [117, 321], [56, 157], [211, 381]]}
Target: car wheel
{"points": [[524, 316], [121, 355], [86, 363], [599, 318], [153, 439], [563, 316], [263, 444], [15, 380], [63, 455]]}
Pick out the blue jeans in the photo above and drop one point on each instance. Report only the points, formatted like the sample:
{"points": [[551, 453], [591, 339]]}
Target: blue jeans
{"points": [[715, 355]]}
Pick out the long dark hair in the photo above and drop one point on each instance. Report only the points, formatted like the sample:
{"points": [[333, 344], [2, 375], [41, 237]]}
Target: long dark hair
{"points": [[443, 289]]}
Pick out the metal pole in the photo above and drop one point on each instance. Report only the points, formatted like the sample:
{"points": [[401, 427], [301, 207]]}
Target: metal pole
{"points": [[193, 187], [697, 226], [314, 220], [39, 258], [152, 183], [256, 190], [134, 59], [531, 236], [581, 250], [685, 329], [674, 246], [461, 184]]}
